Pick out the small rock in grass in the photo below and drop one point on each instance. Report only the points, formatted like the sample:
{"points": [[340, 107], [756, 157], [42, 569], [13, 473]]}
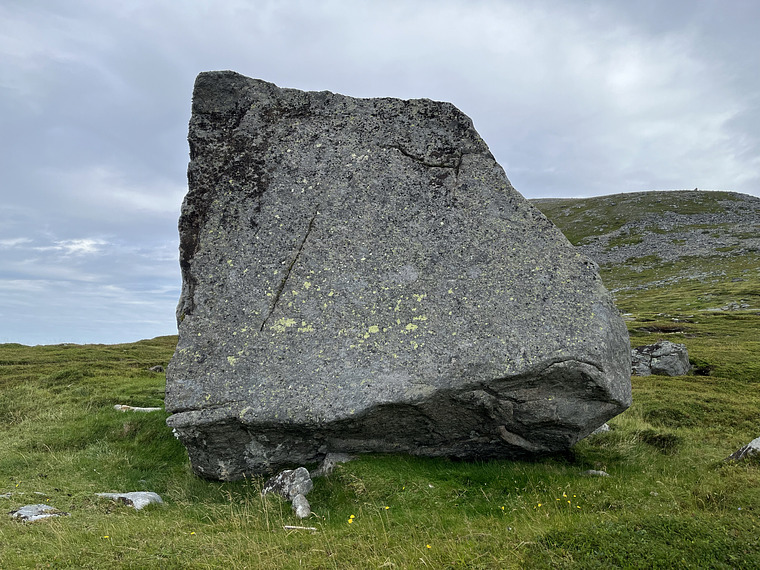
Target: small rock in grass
{"points": [[595, 473], [289, 483], [329, 463], [137, 500], [301, 506], [664, 358], [604, 428], [31, 513]]}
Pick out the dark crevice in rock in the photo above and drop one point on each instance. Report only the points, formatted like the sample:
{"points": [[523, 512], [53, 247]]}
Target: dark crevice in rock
{"points": [[455, 165], [284, 281]]}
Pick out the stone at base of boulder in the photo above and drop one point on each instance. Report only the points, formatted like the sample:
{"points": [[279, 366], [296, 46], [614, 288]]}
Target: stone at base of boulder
{"points": [[604, 428], [301, 507], [289, 483], [329, 462]]}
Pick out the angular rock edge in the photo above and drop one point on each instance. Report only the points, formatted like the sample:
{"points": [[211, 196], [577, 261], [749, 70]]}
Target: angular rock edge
{"points": [[316, 315]]}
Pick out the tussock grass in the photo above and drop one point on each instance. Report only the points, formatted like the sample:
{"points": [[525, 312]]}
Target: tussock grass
{"points": [[670, 500]]}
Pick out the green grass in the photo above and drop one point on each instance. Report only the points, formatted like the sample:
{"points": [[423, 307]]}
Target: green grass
{"points": [[670, 501]]}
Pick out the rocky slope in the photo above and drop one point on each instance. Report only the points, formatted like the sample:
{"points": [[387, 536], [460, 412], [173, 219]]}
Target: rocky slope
{"points": [[668, 225], [647, 240]]}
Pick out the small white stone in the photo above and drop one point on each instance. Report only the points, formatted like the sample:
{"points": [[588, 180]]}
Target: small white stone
{"points": [[31, 513], [137, 500], [301, 507]]}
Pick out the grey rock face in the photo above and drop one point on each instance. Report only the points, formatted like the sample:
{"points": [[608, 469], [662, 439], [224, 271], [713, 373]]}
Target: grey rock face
{"points": [[664, 358], [289, 483], [360, 276]]}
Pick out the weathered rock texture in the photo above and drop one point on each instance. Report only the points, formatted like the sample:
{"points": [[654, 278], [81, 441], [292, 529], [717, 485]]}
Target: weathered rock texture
{"points": [[360, 276], [663, 357], [289, 483], [32, 513], [137, 499]]}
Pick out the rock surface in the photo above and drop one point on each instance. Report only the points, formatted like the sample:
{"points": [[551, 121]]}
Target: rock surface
{"points": [[289, 483], [328, 464], [664, 358], [32, 513], [604, 428], [301, 507], [749, 450], [137, 499], [360, 276], [595, 473]]}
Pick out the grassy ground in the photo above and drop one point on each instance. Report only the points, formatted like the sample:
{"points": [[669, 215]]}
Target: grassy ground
{"points": [[670, 500]]}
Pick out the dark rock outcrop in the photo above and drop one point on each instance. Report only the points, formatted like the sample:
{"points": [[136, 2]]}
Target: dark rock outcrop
{"points": [[663, 357], [360, 276]]}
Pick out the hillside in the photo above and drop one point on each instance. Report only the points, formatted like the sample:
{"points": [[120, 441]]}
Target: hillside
{"points": [[653, 240]]}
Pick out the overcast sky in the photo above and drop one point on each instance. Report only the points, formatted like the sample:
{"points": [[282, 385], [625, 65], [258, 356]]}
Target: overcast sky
{"points": [[574, 98]]}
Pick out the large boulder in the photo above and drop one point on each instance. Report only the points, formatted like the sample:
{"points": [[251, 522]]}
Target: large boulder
{"points": [[360, 276]]}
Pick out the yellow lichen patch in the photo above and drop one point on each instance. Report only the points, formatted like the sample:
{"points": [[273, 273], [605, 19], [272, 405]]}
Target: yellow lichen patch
{"points": [[411, 327], [231, 360], [374, 329], [305, 327], [283, 324], [306, 284]]}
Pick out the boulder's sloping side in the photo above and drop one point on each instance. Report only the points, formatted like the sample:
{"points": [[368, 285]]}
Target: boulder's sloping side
{"points": [[360, 276]]}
